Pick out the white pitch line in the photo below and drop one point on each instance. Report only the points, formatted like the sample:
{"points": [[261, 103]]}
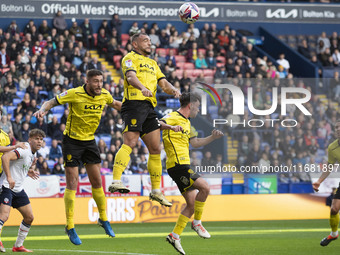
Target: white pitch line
{"points": [[98, 252]]}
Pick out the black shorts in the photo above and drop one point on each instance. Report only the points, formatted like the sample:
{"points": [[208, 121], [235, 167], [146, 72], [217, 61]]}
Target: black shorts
{"points": [[75, 152], [139, 116], [11, 198], [337, 193], [183, 176]]}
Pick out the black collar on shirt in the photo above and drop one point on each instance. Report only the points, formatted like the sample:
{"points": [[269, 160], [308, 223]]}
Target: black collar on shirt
{"points": [[84, 86], [181, 115]]}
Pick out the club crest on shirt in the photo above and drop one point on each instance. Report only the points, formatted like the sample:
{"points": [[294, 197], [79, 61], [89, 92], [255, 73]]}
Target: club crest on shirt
{"points": [[128, 63], [6, 200], [184, 180], [63, 94]]}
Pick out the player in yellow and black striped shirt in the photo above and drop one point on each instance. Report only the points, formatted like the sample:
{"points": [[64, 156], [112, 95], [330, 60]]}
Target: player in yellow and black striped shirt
{"points": [[333, 165], [86, 104], [176, 145], [141, 76]]}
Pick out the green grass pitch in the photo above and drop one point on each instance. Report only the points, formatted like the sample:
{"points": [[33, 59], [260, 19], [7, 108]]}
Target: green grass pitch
{"points": [[248, 237]]}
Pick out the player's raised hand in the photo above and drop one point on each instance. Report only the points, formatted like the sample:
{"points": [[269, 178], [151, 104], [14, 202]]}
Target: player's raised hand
{"points": [[146, 92], [40, 113], [217, 134], [21, 145], [177, 128], [177, 93], [11, 182], [34, 174], [316, 186]]}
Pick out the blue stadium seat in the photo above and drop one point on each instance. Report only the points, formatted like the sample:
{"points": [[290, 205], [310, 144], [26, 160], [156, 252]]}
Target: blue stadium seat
{"points": [[58, 109], [58, 115], [20, 94], [43, 93], [50, 164], [172, 103], [48, 141], [17, 101], [96, 138], [10, 109], [107, 139]]}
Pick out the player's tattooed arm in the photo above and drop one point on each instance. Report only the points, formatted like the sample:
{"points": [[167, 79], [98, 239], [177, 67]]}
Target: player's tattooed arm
{"points": [[45, 108]]}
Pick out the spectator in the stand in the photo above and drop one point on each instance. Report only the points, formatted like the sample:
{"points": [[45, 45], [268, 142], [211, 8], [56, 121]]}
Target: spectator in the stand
{"points": [[102, 40], [53, 126], [116, 23], [6, 97], [320, 48], [175, 40], [134, 28], [58, 134], [304, 49], [200, 62], [335, 86], [223, 39], [87, 31], [325, 58], [221, 74], [4, 58], [44, 29], [43, 151], [284, 62], [55, 151], [59, 23], [207, 159], [45, 170], [250, 52], [192, 53], [316, 62], [324, 39], [41, 124], [25, 131], [6, 125], [336, 57], [96, 64], [58, 167], [16, 126], [154, 38], [13, 51], [334, 45], [104, 25], [76, 30], [85, 66], [211, 60], [164, 39], [13, 28]]}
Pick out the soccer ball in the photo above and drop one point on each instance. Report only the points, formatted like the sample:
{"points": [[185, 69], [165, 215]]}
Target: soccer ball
{"points": [[189, 13]]}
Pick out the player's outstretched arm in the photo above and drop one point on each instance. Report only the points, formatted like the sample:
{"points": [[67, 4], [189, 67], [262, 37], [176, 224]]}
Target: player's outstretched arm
{"points": [[168, 88], [4, 149], [45, 108], [165, 126], [132, 79], [6, 158], [116, 104], [198, 142], [323, 176]]}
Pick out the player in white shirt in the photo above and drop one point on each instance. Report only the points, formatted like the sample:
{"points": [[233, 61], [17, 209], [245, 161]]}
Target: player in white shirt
{"points": [[17, 164]]}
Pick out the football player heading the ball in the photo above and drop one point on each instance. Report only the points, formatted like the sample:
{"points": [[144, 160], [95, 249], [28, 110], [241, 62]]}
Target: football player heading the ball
{"points": [[141, 76]]}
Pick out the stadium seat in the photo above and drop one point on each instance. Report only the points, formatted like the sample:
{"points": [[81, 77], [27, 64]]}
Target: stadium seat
{"points": [[202, 51], [189, 66], [20, 94], [221, 59], [48, 141], [117, 58], [50, 163], [125, 37], [161, 52], [107, 139], [208, 72], [96, 138], [124, 42], [10, 109], [172, 103], [180, 65], [17, 101], [180, 58], [44, 94], [58, 109]]}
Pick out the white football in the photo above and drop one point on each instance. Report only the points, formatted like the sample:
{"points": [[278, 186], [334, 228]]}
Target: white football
{"points": [[189, 13]]}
